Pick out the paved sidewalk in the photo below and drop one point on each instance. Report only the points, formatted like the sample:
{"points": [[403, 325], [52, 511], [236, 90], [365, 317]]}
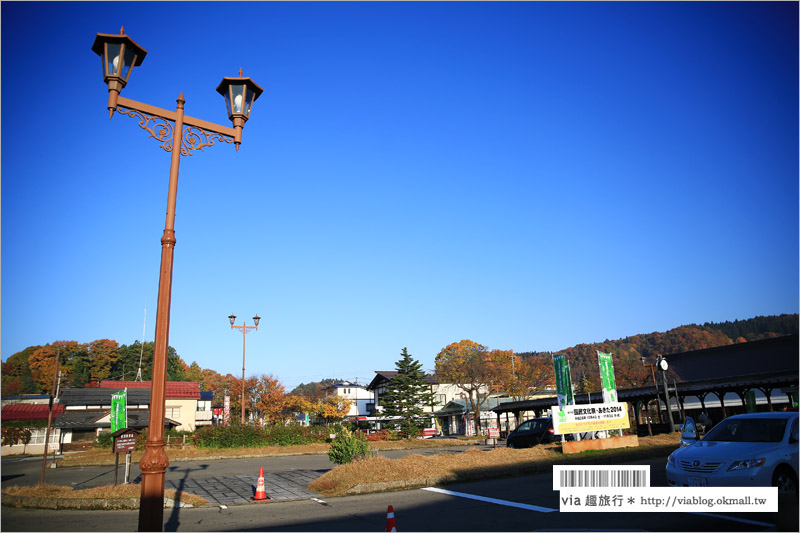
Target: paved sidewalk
{"points": [[236, 490]]}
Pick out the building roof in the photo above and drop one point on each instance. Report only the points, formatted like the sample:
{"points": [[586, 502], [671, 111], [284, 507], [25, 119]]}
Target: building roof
{"points": [[76, 420], [176, 390], [29, 411], [382, 376], [767, 364], [207, 395], [101, 397]]}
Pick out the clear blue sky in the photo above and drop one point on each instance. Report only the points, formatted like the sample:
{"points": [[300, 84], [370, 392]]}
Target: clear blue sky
{"points": [[527, 175]]}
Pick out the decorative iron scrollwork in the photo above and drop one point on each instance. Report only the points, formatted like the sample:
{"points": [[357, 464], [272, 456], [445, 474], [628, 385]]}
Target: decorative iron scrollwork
{"points": [[161, 129]]}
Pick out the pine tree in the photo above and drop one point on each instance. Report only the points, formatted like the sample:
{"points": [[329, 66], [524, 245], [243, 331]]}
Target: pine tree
{"points": [[407, 395]]}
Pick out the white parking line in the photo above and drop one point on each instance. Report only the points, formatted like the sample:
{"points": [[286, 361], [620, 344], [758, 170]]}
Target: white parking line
{"points": [[492, 500]]}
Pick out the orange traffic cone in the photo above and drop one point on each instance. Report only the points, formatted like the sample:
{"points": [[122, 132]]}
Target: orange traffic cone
{"points": [[261, 494], [390, 525]]}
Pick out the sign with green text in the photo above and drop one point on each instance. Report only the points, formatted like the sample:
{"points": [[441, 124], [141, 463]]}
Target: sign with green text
{"points": [[563, 380], [119, 410], [609, 384]]}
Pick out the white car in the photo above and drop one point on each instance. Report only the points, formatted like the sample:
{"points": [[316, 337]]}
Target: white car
{"points": [[752, 450]]}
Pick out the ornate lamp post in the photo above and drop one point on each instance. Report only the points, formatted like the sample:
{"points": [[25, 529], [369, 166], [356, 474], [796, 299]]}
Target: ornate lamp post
{"points": [[180, 135], [245, 328]]}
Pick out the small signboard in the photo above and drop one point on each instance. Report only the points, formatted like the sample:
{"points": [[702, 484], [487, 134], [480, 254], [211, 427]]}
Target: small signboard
{"points": [[124, 440], [494, 433], [592, 417]]}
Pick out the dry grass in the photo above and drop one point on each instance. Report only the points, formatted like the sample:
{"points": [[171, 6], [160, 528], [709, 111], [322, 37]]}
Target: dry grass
{"points": [[106, 491], [411, 467]]}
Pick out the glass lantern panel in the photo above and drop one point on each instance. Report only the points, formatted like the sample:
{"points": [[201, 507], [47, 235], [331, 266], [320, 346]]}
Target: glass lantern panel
{"points": [[128, 63], [237, 92], [248, 103], [112, 56], [228, 102]]}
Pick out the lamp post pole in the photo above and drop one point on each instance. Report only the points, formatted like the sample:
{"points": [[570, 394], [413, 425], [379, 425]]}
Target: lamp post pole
{"points": [[245, 328], [661, 363], [180, 135]]}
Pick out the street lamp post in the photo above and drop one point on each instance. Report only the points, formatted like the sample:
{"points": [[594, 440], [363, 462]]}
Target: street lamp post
{"points": [[661, 364], [245, 328], [180, 135]]}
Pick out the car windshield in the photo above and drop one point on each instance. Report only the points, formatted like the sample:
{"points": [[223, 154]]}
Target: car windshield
{"points": [[748, 430]]}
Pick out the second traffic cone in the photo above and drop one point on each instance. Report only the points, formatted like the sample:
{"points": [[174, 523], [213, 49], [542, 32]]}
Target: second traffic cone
{"points": [[261, 494], [390, 525]]}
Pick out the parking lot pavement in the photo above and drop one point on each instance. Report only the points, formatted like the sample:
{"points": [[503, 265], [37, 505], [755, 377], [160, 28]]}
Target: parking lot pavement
{"points": [[235, 490]]}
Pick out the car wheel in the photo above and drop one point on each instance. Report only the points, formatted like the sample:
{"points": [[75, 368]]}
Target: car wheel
{"points": [[510, 444], [785, 480]]}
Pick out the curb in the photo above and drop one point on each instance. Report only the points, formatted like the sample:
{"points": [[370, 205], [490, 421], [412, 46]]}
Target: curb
{"points": [[85, 504]]}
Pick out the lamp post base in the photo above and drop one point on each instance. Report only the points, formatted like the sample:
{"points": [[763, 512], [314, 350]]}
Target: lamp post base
{"points": [[154, 464]]}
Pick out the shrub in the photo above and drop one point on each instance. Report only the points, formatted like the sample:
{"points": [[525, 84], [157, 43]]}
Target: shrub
{"points": [[236, 435], [347, 447], [15, 435]]}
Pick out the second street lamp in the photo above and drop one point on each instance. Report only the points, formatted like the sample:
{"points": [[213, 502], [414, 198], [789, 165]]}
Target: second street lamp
{"points": [[180, 135], [245, 328]]}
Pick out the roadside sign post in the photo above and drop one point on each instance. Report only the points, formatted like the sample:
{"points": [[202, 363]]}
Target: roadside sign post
{"points": [[124, 442]]}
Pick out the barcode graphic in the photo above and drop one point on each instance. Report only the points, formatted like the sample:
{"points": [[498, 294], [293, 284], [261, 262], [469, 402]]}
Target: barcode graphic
{"points": [[600, 476]]}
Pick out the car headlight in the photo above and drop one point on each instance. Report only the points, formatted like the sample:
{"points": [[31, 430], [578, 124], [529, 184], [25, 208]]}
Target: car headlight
{"points": [[671, 459], [747, 463]]}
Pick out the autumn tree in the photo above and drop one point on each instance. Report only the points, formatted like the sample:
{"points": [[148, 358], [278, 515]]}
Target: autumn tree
{"points": [[333, 408], [528, 374], [472, 368], [293, 404], [407, 393], [266, 396], [16, 374], [103, 354]]}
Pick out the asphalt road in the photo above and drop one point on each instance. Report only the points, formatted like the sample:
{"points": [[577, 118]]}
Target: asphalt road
{"points": [[26, 471], [509, 504]]}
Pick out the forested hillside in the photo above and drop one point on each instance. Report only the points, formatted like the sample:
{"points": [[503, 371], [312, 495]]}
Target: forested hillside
{"points": [[629, 351]]}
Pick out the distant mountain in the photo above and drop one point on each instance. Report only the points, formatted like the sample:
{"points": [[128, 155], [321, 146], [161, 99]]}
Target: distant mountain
{"points": [[628, 351]]}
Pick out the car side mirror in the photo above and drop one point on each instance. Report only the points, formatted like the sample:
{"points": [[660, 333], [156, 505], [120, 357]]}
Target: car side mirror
{"points": [[689, 435]]}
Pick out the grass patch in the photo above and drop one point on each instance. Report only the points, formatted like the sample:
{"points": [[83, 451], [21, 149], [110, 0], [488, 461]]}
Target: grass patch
{"points": [[473, 463], [105, 491]]}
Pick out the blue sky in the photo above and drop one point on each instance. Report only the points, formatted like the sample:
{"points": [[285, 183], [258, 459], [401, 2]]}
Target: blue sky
{"points": [[527, 175]]}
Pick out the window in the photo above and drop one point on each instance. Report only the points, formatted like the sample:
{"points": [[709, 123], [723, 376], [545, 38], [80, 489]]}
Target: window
{"points": [[173, 412], [37, 435]]}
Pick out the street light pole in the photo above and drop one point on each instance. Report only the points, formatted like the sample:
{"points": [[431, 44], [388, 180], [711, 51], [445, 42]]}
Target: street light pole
{"points": [[120, 54], [661, 363], [245, 328]]}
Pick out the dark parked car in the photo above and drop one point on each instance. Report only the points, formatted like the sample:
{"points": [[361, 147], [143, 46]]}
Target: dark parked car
{"points": [[532, 432]]}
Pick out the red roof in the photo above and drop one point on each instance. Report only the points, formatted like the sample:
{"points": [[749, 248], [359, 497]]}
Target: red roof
{"points": [[189, 390], [30, 411]]}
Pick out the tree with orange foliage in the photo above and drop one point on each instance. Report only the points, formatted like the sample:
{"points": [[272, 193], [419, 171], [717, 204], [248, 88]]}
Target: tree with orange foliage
{"points": [[333, 408], [472, 368], [266, 398], [102, 356]]}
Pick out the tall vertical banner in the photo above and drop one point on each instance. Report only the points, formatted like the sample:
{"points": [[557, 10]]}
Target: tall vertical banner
{"points": [[119, 410], [226, 412], [563, 381], [609, 384]]}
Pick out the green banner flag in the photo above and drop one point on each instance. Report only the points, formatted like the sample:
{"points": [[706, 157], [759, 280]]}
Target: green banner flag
{"points": [[563, 380], [609, 384], [119, 410]]}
